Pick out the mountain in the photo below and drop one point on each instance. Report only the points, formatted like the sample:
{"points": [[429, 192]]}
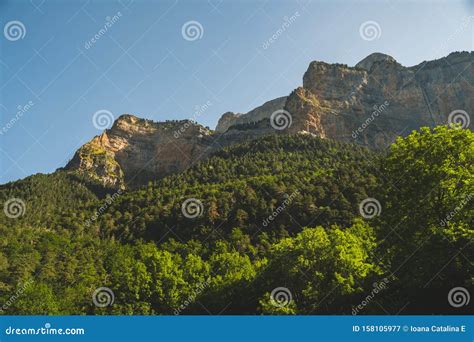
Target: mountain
{"points": [[369, 104], [279, 212]]}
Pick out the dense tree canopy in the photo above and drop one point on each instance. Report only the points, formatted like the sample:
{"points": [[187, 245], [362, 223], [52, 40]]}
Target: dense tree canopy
{"points": [[279, 213]]}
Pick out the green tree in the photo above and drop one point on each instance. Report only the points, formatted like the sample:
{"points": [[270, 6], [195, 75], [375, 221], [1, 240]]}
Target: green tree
{"points": [[427, 214], [322, 268]]}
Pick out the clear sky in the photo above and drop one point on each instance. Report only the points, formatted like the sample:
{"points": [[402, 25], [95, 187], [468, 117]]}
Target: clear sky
{"points": [[145, 64]]}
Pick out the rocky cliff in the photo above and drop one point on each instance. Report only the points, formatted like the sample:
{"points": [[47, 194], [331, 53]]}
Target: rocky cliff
{"points": [[370, 104], [136, 150], [257, 114], [379, 99]]}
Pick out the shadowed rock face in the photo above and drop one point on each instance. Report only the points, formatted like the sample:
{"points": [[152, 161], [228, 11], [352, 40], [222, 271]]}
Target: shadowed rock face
{"points": [[257, 114], [369, 104]]}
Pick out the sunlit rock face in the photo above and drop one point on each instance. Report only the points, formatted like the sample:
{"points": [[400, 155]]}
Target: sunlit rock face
{"points": [[136, 150], [370, 104], [379, 99]]}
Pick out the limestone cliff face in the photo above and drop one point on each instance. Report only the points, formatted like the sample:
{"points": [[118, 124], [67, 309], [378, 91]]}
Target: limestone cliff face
{"points": [[375, 101], [370, 104], [136, 150], [379, 99]]}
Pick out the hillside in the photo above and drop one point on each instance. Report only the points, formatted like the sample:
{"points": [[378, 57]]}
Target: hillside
{"points": [[238, 186], [280, 212]]}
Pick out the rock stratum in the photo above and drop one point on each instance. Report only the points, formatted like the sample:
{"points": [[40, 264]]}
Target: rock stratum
{"points": [[369, 104]]}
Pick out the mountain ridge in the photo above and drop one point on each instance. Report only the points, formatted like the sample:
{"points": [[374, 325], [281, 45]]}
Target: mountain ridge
{"points": [[369, 104]]}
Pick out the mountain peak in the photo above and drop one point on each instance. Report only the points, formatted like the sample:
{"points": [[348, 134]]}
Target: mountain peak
{"points": [[368, 61], [125, 121]]}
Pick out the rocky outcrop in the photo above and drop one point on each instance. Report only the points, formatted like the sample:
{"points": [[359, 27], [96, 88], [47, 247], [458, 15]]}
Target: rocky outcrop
{"points": [[368, 61], [370, 104], [136, 150], [379, 99], [262, 112]]}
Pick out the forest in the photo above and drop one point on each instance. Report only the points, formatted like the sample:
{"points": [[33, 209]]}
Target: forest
{"points": [[280, 225]]}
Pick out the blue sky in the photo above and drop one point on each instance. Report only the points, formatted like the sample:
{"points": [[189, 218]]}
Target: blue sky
{"points": [[143, 64]]}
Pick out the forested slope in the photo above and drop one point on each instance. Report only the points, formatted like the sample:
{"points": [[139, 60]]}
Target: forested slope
{"points": [[282, 212]]}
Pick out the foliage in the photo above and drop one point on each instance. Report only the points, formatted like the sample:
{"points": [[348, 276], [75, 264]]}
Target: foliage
{"points": [[76, 236], [427, 220]]}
